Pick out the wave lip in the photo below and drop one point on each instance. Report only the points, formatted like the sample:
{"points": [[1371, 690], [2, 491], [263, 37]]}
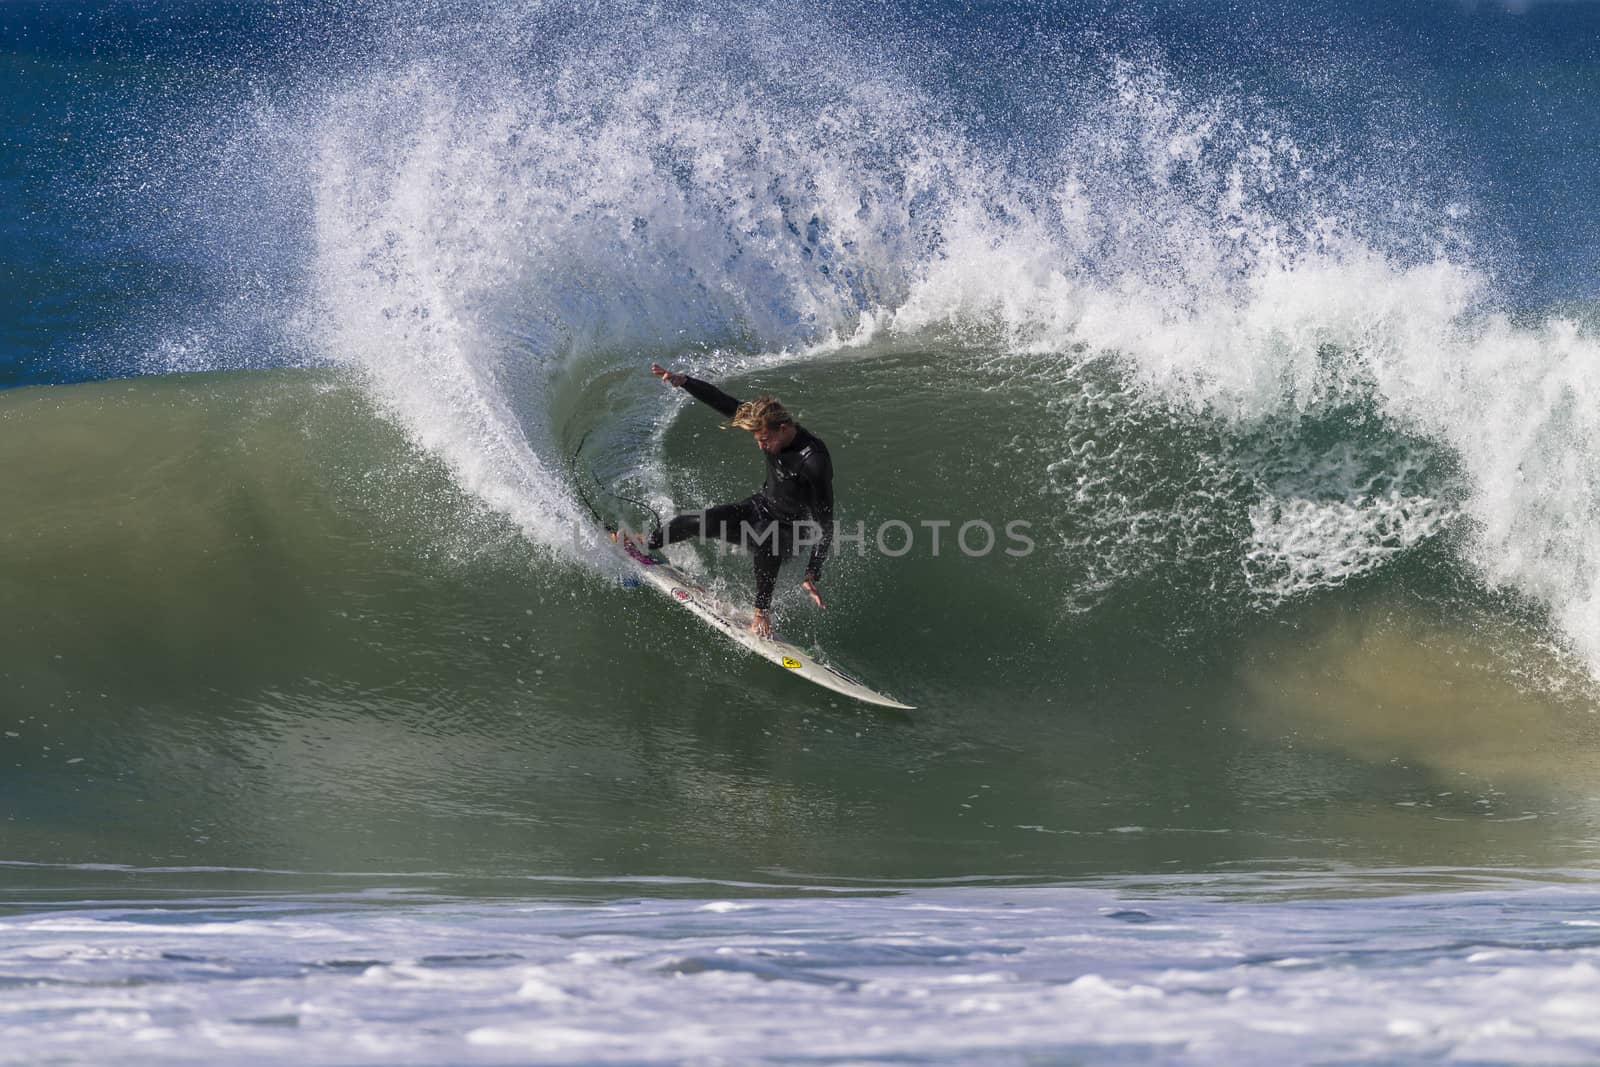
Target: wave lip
{"points": [[519, 207]]}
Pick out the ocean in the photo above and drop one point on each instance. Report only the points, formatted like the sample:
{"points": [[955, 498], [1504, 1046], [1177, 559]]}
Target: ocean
{"points": [[1216, 458]]}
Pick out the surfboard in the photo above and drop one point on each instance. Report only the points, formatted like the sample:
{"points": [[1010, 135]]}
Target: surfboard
{"points": [[734, 622]]}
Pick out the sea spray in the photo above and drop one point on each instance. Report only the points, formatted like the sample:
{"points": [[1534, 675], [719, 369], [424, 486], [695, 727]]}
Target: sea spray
{"points": [[508, 200]]}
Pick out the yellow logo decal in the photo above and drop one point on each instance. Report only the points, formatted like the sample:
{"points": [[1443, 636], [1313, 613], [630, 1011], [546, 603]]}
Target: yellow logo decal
{"points": [[792, 663]]}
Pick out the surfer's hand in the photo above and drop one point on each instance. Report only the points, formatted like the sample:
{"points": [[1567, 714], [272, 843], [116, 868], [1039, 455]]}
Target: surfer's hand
{"points": [[761, 624], [672, 378], [810, 586]]}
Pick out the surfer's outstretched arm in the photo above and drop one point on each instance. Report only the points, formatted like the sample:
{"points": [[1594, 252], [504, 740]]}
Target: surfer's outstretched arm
{"points": [[710, 394], [703, 391]]}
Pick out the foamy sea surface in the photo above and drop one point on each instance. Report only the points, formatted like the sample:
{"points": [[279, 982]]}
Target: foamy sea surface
{"points": [[1205, 972]]}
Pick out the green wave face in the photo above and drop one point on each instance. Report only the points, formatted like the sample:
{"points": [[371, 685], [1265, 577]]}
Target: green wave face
{"points": [[251, 624]]}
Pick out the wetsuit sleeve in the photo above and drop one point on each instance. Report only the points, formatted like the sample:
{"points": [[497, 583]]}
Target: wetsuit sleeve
{"points": [[819, 476], [710, 394]]}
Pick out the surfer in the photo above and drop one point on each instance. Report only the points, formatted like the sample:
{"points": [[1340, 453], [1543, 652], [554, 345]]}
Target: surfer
{"points": [[793, 510]]}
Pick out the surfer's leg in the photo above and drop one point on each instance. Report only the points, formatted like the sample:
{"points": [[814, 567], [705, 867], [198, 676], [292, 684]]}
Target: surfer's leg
{"points": [[770, 544], [724, 522], [742, 523], [766, 566]]}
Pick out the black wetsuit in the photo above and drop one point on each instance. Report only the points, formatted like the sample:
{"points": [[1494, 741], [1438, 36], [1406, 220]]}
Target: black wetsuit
{"points": [[793, 508]]}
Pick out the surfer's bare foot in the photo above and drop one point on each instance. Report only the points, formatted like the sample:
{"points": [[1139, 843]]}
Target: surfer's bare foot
{"points": [[761, 624]]}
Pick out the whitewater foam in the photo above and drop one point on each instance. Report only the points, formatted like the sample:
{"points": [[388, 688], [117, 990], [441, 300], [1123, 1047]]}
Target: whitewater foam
{"points": [[1098, 971]]}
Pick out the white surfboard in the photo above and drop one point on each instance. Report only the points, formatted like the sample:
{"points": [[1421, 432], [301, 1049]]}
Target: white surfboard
{"points": [[734, 621]]}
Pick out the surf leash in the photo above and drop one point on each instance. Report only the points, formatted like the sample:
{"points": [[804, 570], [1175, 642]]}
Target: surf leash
{"points": [[572, 464]]}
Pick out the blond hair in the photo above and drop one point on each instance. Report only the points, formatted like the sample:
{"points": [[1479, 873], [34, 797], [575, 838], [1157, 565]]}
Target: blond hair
{"points": [[762, 413]]}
